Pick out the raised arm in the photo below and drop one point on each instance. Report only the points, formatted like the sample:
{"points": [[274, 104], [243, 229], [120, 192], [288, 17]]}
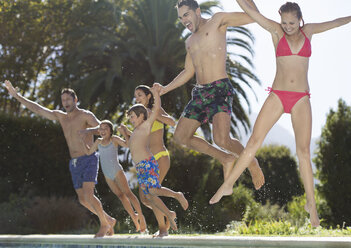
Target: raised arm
{"points": [[93, 125], [234, 19], [271, 26], [92, 121], [315, 28], [166, 118], [183, 77], [32, 106], [125, 132], [90, 150], [119, 141], [157, 105]]}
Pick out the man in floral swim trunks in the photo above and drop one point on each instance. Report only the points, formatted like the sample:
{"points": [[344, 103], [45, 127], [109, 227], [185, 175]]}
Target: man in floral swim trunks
{"points": [[210, 99], [213, 94]]}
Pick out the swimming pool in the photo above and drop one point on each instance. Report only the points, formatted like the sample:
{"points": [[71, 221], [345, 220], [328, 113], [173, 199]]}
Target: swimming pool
{"points": [[172, 241]]}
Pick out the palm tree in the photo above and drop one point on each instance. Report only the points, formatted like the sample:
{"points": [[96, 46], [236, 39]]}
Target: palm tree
{"points": [[111, 47], [92, 58]]}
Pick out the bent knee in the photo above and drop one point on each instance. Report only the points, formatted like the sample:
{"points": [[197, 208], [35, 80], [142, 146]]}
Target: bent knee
{"points": [[82, 200], [153, 191], [121, 196], [180, 139], [143, 200], [221, 141], [149, 197], [129, 194]]}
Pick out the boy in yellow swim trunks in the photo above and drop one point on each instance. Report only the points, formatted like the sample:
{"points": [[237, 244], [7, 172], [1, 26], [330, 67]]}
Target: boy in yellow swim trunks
{"points": [[146, 164]]}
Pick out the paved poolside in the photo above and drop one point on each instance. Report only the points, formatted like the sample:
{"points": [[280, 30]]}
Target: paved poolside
{"points": [[170, 241]]}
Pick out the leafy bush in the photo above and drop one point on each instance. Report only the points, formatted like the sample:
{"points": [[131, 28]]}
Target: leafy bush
{"points": [[267, 212], [283, 228], [200, 177], [24, 215], [33, 152], [332, 160], [282, 181], [298, 215], [56, 214], [13, 216]]}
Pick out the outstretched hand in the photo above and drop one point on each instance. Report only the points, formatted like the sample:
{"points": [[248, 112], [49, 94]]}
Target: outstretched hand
{"points": [[159, 88], [122, 129], [82, 133], [12, 91]]}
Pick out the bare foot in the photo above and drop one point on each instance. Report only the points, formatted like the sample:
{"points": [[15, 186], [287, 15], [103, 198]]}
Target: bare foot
{"points": [[103, 231], [142, 223], [306, 208], [313, 215], [228, 164], [222, 191], [112, 222], [172, 217], [256, 175], [182, 200], [168, 224], [135, 220], [160, 234]]}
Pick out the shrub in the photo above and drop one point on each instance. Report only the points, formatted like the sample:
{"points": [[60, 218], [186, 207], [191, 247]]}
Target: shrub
{"points": [[56, 214], [24, 215]]}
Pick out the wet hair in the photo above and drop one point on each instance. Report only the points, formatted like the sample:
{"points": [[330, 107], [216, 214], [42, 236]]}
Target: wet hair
{"points": [[109, 124], [70, 92], [192, 4], [138, 109], [147, 91], [289, 7]]}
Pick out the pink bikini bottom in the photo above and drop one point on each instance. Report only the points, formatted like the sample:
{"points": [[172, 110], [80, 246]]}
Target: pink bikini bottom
{"points": [[289, 98]]}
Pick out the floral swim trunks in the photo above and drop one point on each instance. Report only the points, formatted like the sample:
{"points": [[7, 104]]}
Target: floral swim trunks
{"points": [[210, 99], [148, 174]]}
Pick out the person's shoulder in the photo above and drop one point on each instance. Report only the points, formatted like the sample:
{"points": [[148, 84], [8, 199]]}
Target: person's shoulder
{"points": [[218, 15], [59, 113], [307, 28], [85, 113], [188, 39], [115, 139]]}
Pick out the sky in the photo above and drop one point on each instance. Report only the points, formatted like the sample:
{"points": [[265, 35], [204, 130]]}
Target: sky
{"points": [[329, 70]]}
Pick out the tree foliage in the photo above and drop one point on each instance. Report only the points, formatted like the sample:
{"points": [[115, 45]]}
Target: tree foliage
{"points": [[282, 180], [199, 177], [34, 161], [104, 49], [333, 162]]}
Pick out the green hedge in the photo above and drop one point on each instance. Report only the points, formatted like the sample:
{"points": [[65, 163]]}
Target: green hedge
{"points": [[33, 156]]}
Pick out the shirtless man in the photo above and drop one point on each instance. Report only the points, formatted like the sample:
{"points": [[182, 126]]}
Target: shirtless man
{"points": [[212, 96], [83, 168]]}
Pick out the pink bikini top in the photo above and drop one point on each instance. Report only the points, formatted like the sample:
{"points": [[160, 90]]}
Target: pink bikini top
{"points": [[283, 48]]}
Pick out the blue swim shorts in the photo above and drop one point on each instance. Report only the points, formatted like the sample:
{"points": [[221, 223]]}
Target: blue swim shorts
{"points": [[84, 169], [148, 174]]}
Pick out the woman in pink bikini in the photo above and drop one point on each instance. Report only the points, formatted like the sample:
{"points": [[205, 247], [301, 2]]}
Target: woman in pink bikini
{"points": [[289, 94]]}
